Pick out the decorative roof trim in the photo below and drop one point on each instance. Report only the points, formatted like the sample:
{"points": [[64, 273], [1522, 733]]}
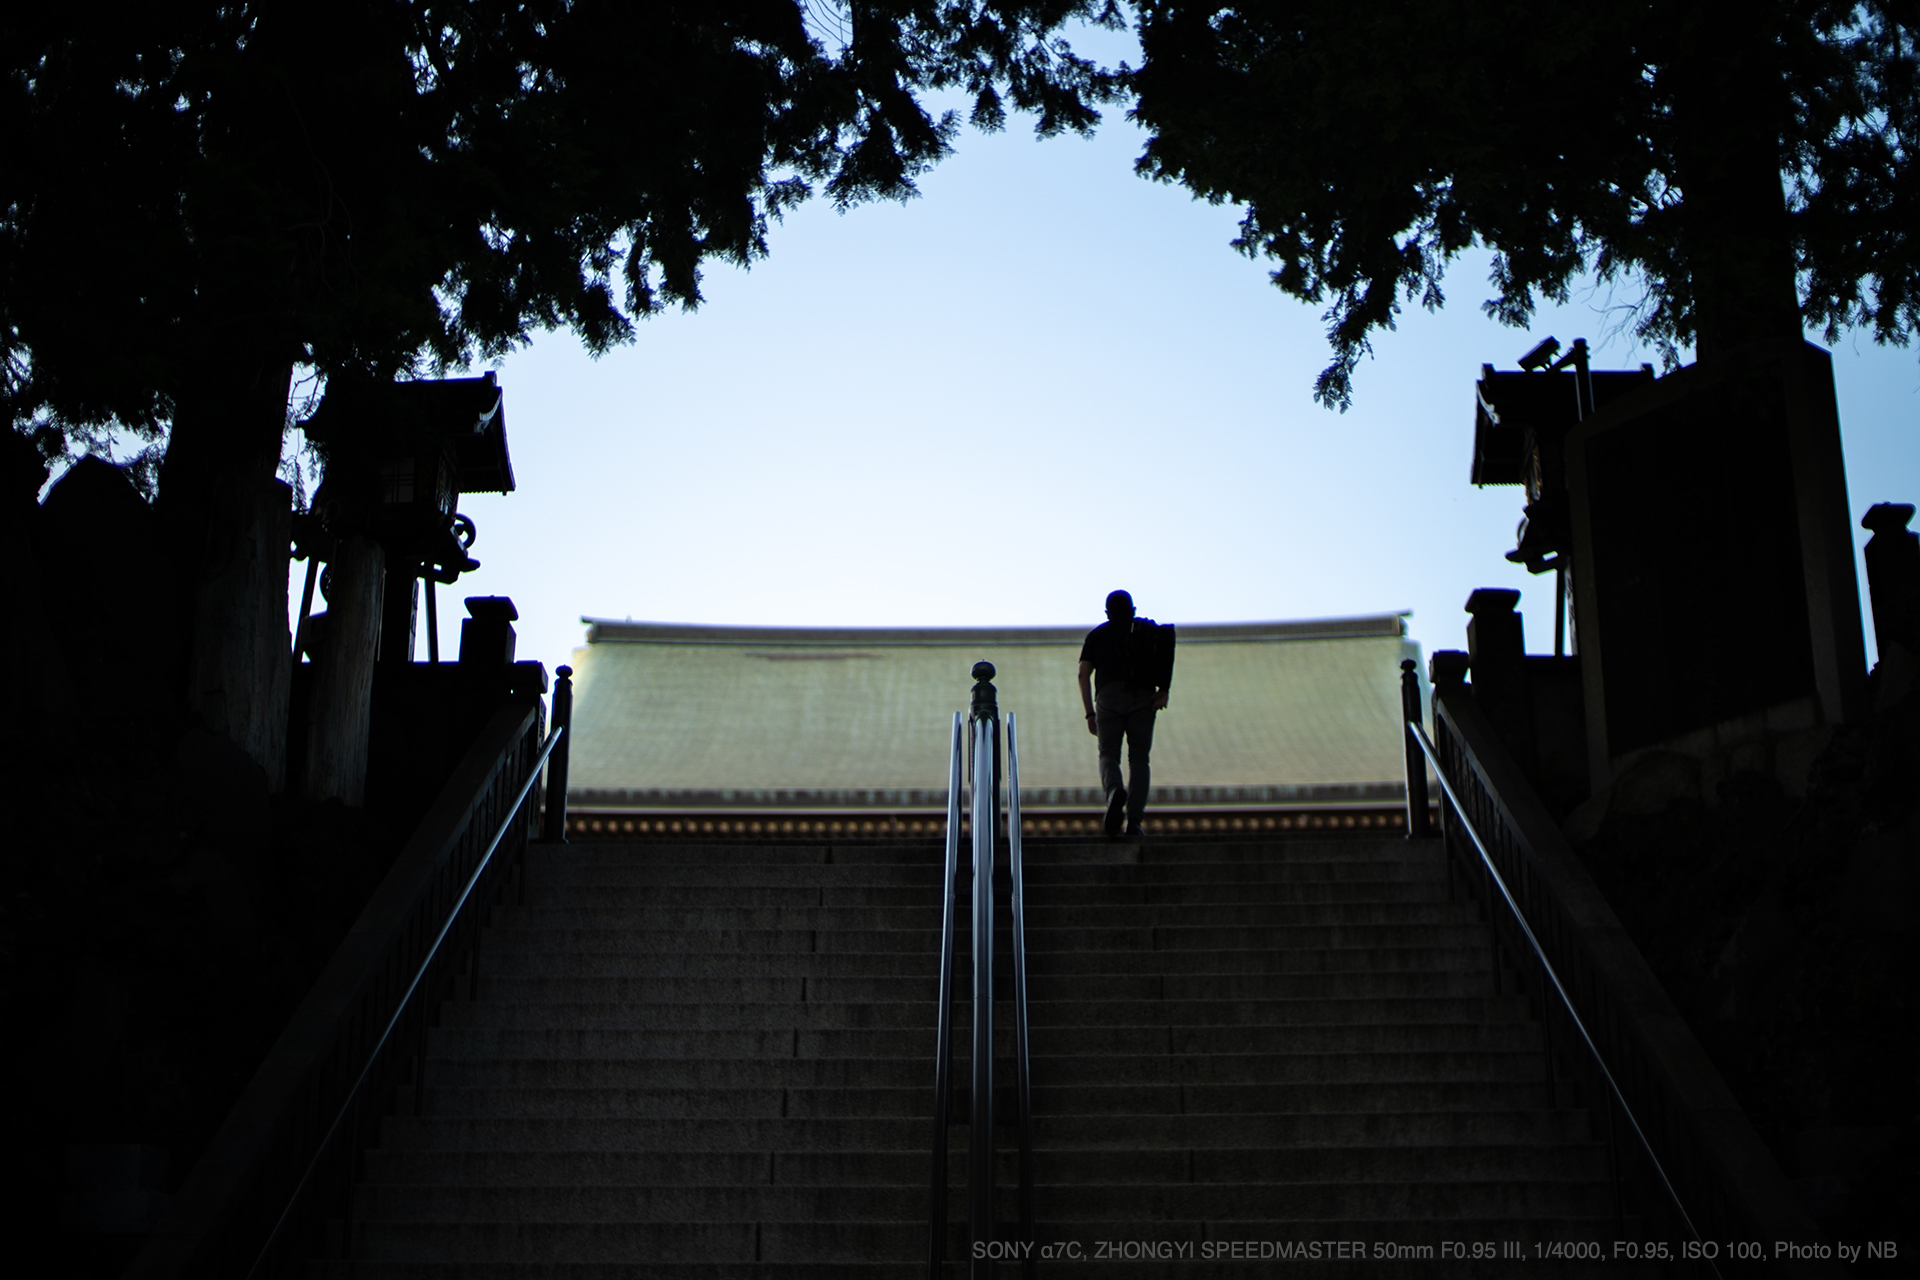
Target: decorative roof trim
{"points": [[1032, 799], [617, 631]]}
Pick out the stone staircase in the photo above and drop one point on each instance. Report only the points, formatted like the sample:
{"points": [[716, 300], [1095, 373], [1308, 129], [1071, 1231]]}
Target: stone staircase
{"points": [[705, 1059], [1248, 1046]]}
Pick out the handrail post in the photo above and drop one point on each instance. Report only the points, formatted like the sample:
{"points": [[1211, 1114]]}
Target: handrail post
{"points": [[554, 829], [1418, 825], [980, 1152], [1446, 669]]}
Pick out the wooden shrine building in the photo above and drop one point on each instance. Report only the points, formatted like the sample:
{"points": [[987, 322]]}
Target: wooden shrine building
{"points": [[788, 730]]}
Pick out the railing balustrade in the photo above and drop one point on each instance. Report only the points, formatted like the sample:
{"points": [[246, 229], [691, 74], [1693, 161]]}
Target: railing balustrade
{"points": [[1683, 1156], [276, 1184]]}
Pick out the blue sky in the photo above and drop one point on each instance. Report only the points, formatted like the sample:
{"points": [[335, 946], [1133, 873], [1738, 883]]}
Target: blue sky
{"points": [[1043, 379]]}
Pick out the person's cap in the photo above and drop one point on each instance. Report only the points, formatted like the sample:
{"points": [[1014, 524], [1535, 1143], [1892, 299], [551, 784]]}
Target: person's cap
{"points": [[1119, 604]]}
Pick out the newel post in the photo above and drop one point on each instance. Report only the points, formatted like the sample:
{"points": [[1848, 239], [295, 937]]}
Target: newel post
{"points": [[1418, 825], [555, 829]]}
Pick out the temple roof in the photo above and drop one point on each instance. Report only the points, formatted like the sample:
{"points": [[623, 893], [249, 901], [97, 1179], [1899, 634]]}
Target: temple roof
{"points": [[1265, 713]]}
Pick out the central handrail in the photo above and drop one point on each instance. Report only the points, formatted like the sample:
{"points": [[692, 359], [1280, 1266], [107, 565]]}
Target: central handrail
{"points": [[943, 1060], [1023, 1082], [1418, 735], [986, 805], [982, 1229]]}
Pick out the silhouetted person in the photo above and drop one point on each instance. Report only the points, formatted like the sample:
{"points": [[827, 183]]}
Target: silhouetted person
{"points": [[1130, 661]]}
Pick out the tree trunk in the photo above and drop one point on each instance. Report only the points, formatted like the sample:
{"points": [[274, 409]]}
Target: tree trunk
{"points": [[1730, 106], [340, 716], [241, 664], [225, 521]]}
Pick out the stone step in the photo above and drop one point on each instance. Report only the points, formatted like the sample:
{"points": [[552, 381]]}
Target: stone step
{"points": [[1391, 1265], [1151, 1041], [924, 944], [1078, 1098], [1216, 1204], [1040, 877], [1106, 988], [1047, 1017], [497, 957], [1402, 1258], [1524, 1066], [1125, 1133], [1062, 1166], [1037, 851], [1111, 928], [889, 898], [815, 1242], [1181, 850], [1355, 864], [710, 853]]}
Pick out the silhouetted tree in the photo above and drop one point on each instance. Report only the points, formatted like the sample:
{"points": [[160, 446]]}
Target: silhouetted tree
{"points": [[1752, 162], [199, 198]]}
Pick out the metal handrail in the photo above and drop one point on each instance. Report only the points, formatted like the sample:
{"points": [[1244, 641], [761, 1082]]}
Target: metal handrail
{"points": [[943, 1061], [1419, 735], [373, 1055], [986, 805], [1023, 1081]]}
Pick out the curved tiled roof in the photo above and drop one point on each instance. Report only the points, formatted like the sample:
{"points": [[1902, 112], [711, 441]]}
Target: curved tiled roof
{"points": [[679, 716]]}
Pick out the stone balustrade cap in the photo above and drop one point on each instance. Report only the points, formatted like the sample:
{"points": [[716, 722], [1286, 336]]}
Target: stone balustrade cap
{"points": [[1887, 517], [1492, 600], [493, 608]]}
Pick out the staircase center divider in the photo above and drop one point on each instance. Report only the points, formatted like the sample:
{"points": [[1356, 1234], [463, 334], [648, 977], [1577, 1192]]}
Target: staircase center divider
{"points": [[1696, 1162], [986, 828]]}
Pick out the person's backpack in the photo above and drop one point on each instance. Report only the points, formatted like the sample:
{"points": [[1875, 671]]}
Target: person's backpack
{"points": [[1149, 654]]}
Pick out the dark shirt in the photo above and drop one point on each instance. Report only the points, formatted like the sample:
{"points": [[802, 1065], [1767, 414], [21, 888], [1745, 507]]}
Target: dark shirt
{"points": [[1105, 648]]}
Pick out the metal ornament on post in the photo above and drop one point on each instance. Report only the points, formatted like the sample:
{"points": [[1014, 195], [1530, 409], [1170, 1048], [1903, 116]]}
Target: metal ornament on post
{"points": [[554, 829]]}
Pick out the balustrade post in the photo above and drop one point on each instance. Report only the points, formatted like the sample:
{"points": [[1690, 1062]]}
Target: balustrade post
{"points": [[1446, 669], [554, 830], [1418, 826]]}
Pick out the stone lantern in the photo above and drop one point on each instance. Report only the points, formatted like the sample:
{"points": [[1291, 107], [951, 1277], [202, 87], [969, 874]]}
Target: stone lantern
{"points": [[1520, 423], [396, 457]]}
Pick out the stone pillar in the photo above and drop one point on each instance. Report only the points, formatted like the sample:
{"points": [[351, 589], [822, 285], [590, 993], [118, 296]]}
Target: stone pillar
{"points": [[241, 665], [1496, 646], [486, 636], [340, 716], [1893, 573], [1893, 584], [1447, 669]]}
